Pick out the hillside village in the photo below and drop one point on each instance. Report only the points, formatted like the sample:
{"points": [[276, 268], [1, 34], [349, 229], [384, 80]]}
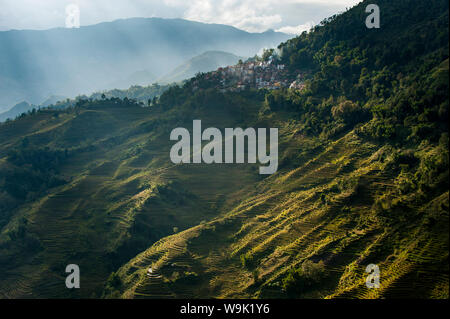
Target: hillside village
{"points": [[254, 74]]}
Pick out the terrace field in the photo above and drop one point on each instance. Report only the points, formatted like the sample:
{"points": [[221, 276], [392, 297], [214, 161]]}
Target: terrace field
{"points": [[362, 179]]}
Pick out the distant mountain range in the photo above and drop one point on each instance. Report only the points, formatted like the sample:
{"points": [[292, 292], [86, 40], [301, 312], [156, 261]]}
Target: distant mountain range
{"points": [[37, 64], [24, 107], [16, 110], [136, 92], [206, 62]]}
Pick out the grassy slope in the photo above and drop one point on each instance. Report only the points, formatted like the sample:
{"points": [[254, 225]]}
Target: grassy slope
{"points": [[121, 196], [339, 199], [282, 221]]}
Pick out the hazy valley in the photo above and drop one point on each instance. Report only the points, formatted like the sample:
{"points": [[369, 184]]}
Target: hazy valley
{"points": [[362, 173]]}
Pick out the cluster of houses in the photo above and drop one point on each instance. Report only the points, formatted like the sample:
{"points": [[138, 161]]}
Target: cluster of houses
{"points": [[297, 85], [254, 74]]}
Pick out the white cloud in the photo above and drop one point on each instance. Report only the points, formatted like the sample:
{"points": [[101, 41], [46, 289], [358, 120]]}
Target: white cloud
{"points": [[244, 14], [250, 15], [258, 16], [297, 29]]}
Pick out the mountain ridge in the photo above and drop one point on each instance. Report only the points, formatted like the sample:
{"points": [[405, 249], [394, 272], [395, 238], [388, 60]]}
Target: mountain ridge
{"points": [[205, 62], [363, 178], [69, 61]]}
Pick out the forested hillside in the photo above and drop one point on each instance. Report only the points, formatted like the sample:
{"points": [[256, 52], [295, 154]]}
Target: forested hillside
{"points": [[144, 95], [362, 179]]}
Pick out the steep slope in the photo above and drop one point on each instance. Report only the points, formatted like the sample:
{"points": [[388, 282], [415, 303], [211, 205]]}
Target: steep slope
{"points": [[205, 62], [96, 189], [362, 179], [359, 194], [321, 211]]}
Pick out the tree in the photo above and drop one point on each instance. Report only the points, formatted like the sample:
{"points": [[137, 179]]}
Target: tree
{"points": [[304, 278], [348, 111]]}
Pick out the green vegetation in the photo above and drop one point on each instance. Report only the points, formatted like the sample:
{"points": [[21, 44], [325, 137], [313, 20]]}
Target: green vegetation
{"points": [[308, 276], [363, 178]]}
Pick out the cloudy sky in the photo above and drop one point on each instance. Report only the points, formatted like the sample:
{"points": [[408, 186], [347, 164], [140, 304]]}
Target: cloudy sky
{"points": [[290, 16]]}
